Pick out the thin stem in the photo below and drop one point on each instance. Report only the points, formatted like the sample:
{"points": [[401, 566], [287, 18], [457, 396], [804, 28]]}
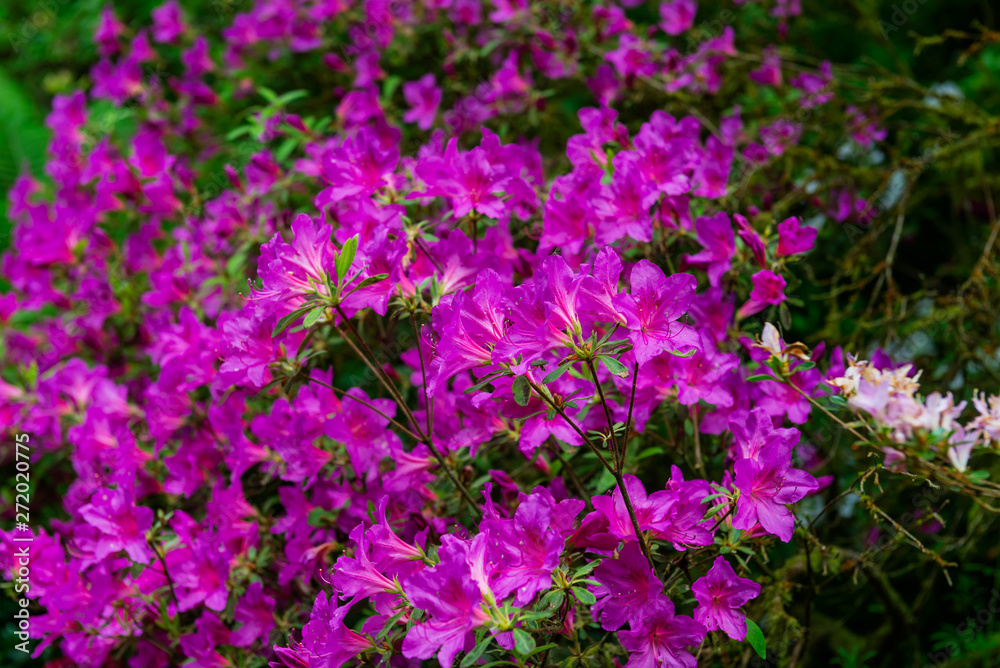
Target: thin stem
{"points": [[166, 574], [628, 421], [559, 410], [423, 375], [344, 393], [575, 479], [369, 357], [391, 388], [607, 414], [700, 465], [635, 520], [828, 413], [454, 479], [617, 474]]}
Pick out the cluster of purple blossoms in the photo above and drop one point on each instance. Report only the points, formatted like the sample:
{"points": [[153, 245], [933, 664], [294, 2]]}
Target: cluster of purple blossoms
{"points": [[233, 490]]}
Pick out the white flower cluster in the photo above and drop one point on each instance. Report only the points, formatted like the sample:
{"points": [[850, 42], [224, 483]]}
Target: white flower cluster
{"points": [[890, 397]]}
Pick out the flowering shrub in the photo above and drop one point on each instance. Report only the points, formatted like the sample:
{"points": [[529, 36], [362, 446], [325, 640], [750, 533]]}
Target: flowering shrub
{"points": [[344, 359]]}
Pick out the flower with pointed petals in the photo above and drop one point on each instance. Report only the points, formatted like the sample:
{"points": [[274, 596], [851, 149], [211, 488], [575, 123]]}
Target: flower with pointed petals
{"points": [[677, 16], [767, 486], [719, 241], [794, 238], [326, 642], [720, 595], [452, 598], [357, 575], [661, 638], [627, 586], [652, 310], [255, 610], [122, 524], [359, 167], [424, 97]]}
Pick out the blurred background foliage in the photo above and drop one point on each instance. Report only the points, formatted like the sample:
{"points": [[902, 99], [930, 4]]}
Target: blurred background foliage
{"points": [[921, 281]]}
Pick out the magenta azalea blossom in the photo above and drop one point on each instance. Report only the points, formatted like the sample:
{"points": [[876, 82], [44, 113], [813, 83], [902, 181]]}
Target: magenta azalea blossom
{"points": [[652, 310], [720, 595], [628, 586], [767, 486], [661, 639], [794, 239], [122, 524], [424, 97]]}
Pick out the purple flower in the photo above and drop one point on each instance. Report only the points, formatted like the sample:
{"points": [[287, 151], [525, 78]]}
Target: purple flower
{"points": [[757, 433], [452, 600], [357, 575], [652, 309], [751, 239], [677, 16], [768, 288], [769, 72], [109, 28], [524, 551], [720, 595], [628, 586], [716, 235], [767, 486], [623, 205], [794, 239], [651, 510], [168, 23], [424, 97], [661, 638], [255, 610], [122, 524], [326, 641], [361, 166]]}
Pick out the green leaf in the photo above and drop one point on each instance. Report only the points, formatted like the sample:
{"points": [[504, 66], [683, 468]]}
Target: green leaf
{"points": [[287, 321], [371, 280], [838, 400], [761, 376], [805, 366], [556, 373], [522, 390], [535, 616], [614, 366], [677, 353], [756, 638], [584, 596], [290, 96], [389, 624], [316, 517], [524, 644], [486, 380], [552, 600], [313, 316], [542, 648], [477, 652], [346, 257], [390, 86]]}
